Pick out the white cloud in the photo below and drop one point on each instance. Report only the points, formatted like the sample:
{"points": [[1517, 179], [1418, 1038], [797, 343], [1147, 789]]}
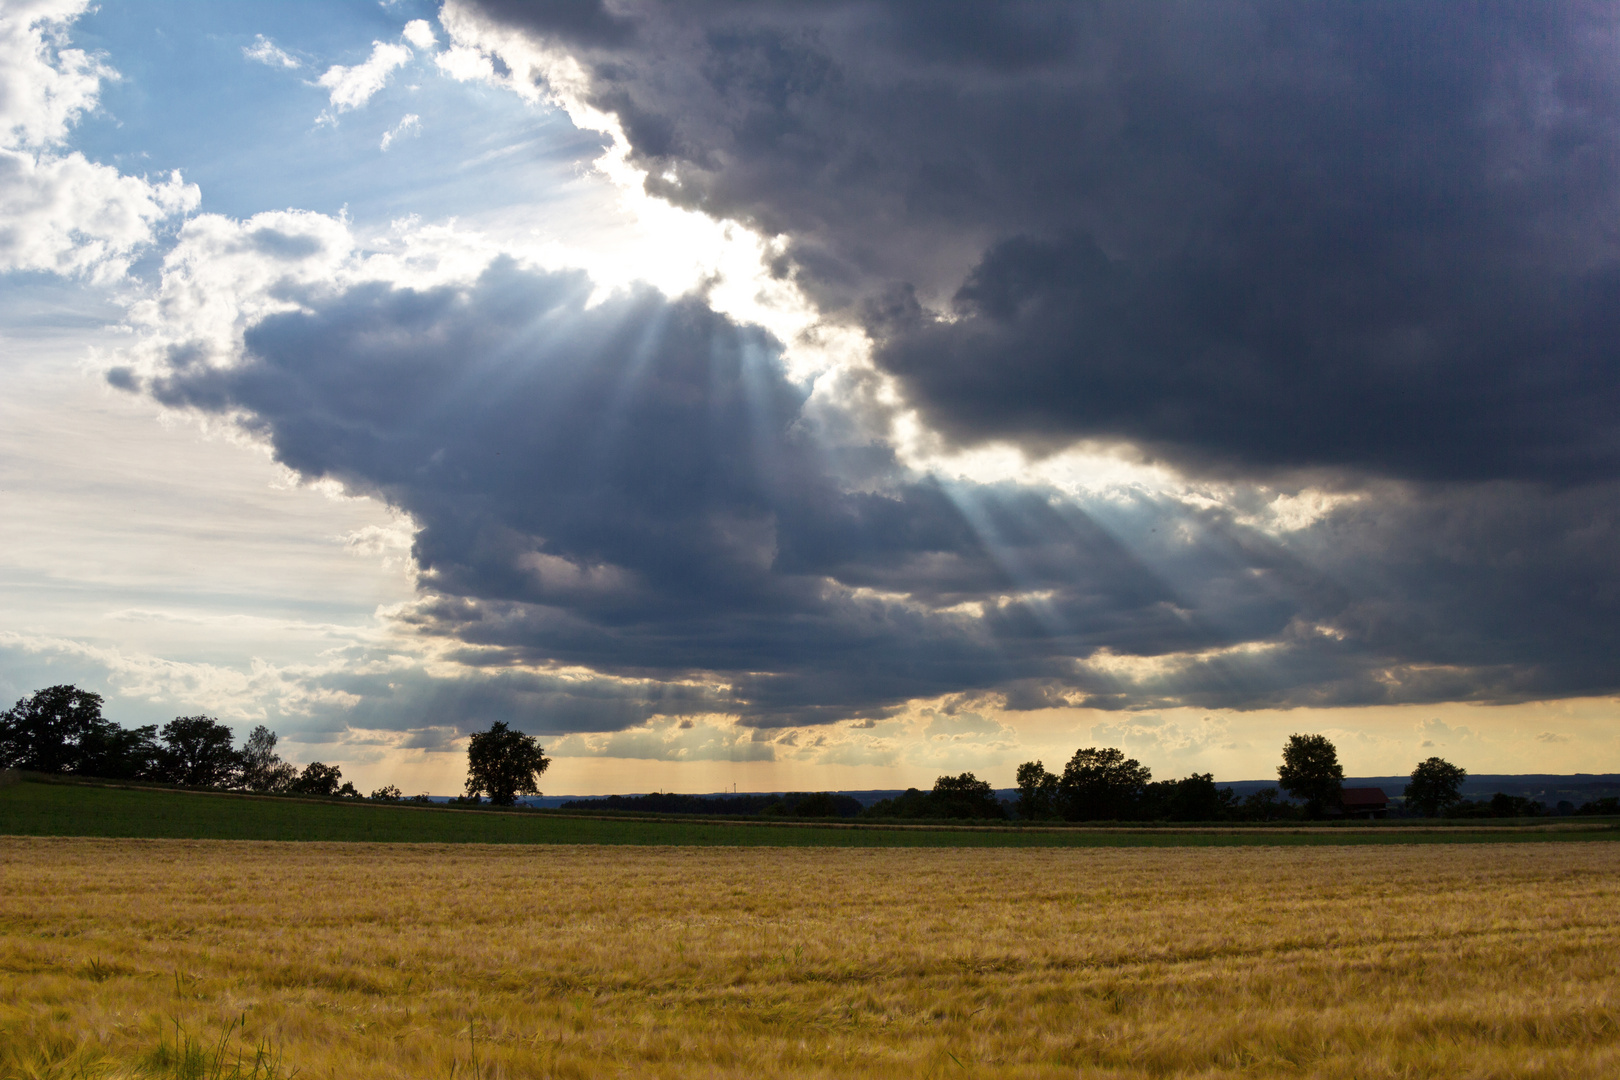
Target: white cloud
{"points": [[71, 216], [420, 34], [44, 84], [223, 276], [62, 213], [466, 64], [252, 693], [410, 124], [1435, 732], [268, 52], [1151, 735], [352, 87], [670, 741]]}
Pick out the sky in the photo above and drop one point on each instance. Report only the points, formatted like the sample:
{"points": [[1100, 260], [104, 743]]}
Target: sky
{"points": [[817, 395]]}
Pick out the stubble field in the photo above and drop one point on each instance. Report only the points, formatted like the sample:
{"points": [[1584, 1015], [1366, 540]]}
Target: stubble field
{"points": [[168, 957]]}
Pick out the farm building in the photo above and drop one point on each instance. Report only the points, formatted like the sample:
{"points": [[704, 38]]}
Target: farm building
{"points": [[1367, 802]]}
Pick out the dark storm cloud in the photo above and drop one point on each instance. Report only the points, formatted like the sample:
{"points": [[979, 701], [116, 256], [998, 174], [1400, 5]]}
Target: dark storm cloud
{"points": [[634, 488], [1494, 593], [1374, 237], [437, 708]]}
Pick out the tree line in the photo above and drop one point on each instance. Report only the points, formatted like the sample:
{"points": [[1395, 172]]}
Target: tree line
{"points": [[61, 730], [1102, 784]]}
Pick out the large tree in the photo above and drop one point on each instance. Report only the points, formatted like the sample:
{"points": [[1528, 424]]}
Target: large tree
{"points": [[966, 796], [1436, 784], [1037, 792], [60, 729], [1310, 771], [199, 751], [503, 764], [1099, 784], [1195, 798], [262, 767], [318, 778]]}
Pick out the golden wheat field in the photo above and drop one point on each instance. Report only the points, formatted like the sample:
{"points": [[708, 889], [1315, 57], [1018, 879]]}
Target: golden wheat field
{"points": [[131, 958]]}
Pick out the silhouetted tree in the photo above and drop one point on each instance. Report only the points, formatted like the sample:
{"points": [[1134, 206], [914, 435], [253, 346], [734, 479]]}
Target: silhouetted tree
{"points": [[504, 764], [966, 796], [1311, 771], [816, 804], [387, 793], [198, 751], [261, 767], [1196, 799], [1101, 784], [1504, 805], [318, 779], [60, 729], [113, 752], [813, 804], [1264, 805], [1436, 784], [910, 803], [1037, 792]]}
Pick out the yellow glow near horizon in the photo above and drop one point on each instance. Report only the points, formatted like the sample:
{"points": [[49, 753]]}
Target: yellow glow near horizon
{"points": [[1561, 737]]}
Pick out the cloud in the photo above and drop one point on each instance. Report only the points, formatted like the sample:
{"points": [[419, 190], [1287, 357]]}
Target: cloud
{"points": [[267, 52], [667, 741], [1551, 737], [59, 212], [1150, 735], [420, 34], [363, 681], [961, 725], [409, 124], [45, 85], [1437, 733], [352, 87], [1242, 238], [63, 214], [631, 485]]}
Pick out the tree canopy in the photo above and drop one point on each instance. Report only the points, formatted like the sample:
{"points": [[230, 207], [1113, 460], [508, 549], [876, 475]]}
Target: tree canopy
{"points": [[318, 778], [1310, 771], [1101, 784], [1436, 784], [1037, 792], [966, 796], [199, 751], [503, 764], [60, 729], [261, 767]]}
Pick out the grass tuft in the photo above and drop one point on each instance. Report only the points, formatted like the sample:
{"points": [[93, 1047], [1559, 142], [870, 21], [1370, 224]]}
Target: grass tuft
{"points": [[189, 1058]]}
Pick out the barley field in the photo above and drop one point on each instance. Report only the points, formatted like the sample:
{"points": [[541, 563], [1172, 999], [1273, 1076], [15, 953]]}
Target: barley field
{"points": [[235, 959]]}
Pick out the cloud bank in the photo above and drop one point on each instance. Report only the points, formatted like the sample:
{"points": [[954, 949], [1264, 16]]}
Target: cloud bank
{"points": [[632, 487], [1241, 236]]}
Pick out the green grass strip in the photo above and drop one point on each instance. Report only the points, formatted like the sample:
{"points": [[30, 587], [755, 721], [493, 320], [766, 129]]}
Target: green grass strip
{"points": [[34, 808]]}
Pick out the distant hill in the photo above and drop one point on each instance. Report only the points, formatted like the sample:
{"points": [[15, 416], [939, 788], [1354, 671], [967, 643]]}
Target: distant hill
{"points": [[1549, 788]]}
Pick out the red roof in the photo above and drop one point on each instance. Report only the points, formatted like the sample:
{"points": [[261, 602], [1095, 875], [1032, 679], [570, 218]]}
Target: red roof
{"points": [[1363, 798]]}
